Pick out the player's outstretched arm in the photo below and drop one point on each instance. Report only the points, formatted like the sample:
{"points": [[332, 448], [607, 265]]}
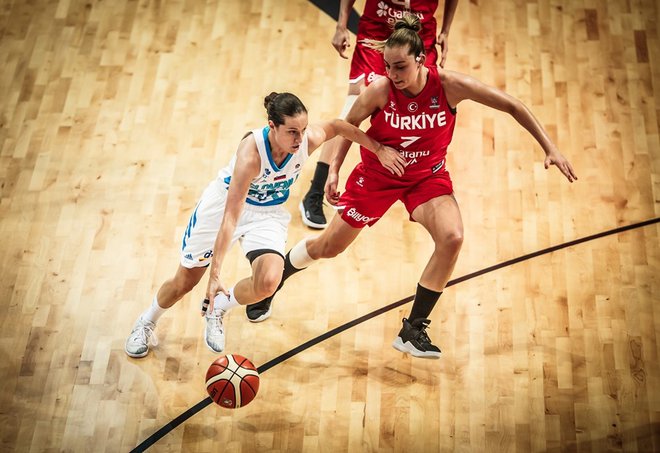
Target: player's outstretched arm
{"points": [[459, 87]]}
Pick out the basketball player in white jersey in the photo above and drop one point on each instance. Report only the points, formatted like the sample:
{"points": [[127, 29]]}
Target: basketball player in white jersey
{"points": [[245, 203]]}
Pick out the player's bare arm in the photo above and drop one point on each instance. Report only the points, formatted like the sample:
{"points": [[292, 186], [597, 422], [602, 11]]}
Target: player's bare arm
{"points": [[443, 36], [248, 165], [459, 87], [342, 39]]}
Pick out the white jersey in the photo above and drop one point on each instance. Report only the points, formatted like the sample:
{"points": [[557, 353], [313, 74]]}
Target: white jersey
{"points": [[272, 186]]}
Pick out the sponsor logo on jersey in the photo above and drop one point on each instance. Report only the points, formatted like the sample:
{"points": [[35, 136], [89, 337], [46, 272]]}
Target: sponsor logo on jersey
{"points": [[208, 254], [393, 14], [416, 122], [412, 156], [360, 181], [438, 166], [434, 102], [188, 256], [412, 107], [392, 105], [353, 214], [372, 76]]}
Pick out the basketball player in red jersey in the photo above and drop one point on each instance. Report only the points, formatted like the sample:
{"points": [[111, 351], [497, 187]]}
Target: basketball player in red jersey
{"points": [[412, 110], [367, 65]]}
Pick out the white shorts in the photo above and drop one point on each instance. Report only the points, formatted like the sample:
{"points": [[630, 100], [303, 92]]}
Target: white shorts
{"points": [[259, 227]]}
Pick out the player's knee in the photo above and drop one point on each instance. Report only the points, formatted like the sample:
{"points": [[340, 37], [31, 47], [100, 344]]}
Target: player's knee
{"points": [[183, 287], [452, 242], [266, 285], [184, 283]]}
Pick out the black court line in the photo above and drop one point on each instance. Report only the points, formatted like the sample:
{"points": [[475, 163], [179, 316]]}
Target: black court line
{"points": [[337, 330]]}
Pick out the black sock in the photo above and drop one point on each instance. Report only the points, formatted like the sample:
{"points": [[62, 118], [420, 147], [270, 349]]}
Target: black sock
{"points": [[289, 270], [425, 300], [320, 176]]}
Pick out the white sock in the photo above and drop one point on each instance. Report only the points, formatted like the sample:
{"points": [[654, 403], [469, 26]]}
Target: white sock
{"points": [[298, 255], [154, 311], [224, 303]]}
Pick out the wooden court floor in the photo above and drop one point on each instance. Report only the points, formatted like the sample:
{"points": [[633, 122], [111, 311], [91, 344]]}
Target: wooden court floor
{"points": [[114, 116]]}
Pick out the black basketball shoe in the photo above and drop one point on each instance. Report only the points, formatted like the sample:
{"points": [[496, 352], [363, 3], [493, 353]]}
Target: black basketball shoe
{"points": [[260, 311], [311, 209], [414, 340]]}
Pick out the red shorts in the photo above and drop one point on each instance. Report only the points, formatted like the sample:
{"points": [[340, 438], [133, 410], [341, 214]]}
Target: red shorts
{"points": [[369, 194], [368, 64]]}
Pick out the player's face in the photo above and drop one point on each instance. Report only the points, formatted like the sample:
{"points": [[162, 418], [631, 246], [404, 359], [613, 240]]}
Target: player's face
{"points": [[401, 67], [289, 135]]}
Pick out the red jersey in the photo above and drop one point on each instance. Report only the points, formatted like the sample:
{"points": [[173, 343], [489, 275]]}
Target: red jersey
{"points": [[378, 17], [420, 128]]}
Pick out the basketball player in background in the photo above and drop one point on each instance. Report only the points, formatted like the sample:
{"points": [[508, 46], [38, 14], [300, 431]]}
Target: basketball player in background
{"points": [[412, 110], [245, 203], [367, 65]]}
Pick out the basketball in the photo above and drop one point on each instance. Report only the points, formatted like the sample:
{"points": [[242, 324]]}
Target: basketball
{"points": [[232, 381]]}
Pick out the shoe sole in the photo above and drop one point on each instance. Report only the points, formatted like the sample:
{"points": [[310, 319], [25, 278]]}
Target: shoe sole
{"points": [[206, 341], [136, 356], [261, 318], [408, 348], [309, 223]]}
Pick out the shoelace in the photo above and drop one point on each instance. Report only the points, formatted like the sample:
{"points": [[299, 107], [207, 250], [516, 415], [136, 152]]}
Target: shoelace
{"points": [[316, 203], [422, 336], [146, 333], [215, 319]]}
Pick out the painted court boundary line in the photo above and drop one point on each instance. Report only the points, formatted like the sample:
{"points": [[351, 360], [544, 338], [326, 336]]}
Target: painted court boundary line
{"points": [[314, 341]]}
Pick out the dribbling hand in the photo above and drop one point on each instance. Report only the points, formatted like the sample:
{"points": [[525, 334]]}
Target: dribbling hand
{"points": [[214, 288]]}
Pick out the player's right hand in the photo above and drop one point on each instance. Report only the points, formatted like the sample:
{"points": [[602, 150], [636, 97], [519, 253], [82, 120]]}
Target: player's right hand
{"points": [[341, 41], [331, 193]]}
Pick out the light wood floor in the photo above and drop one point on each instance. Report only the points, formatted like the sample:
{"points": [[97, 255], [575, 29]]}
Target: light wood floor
{"points": [[114, 115]]}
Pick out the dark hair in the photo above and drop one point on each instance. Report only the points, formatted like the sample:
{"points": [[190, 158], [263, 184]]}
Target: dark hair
{"points": [[279, 105], [406, 33]]}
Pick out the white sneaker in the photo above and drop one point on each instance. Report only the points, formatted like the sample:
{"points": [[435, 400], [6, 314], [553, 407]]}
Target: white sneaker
{"points": [[137, 343], [214, 335]]}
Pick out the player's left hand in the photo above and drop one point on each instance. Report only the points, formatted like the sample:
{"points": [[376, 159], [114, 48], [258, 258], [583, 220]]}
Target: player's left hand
{"points": [[443, 42], [556, 158]]}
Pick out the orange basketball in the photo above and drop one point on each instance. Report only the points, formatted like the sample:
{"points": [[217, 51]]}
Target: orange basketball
{"points": [[232, 381]]}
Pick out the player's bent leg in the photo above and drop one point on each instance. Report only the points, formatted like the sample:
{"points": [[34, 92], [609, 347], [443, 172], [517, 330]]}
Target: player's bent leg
{"points": [[267, 266], [441, 217], [142, 335], [333, 241]]}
